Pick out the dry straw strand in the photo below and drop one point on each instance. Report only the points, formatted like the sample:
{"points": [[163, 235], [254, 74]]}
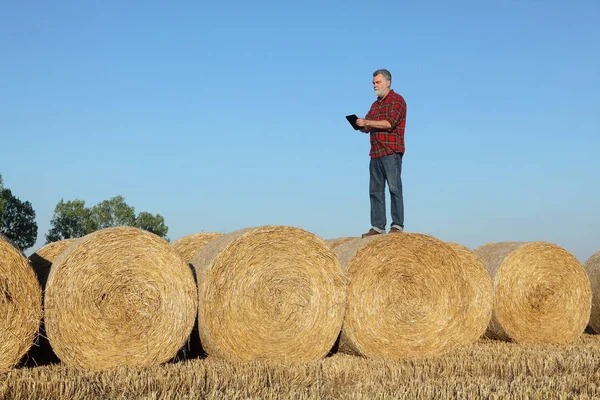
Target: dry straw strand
{"points": [[592, 267], [541, 292], [405, 297], [119, 296], [20, 305], [189, 245], [270, 293]]}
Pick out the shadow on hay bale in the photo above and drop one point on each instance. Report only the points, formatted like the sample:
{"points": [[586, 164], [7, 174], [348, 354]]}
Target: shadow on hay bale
{"points": [[187, 247], [592, 268], [542, 293], [193, 347], [20, 305], [269, 293], [41, 352], [119, 297], [409, 295]]}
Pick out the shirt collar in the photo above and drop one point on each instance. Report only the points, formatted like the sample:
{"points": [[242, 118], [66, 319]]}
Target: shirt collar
{"points": [[388, 95]]}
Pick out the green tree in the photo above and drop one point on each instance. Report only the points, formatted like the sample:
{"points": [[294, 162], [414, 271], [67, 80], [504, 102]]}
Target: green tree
{"points": [[72, 219], [113, 212], [18, 221], [152, 223], [1, 200]]}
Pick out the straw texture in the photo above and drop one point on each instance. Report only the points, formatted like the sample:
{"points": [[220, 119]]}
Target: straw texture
{"points": [[42, 259], [20, 305], [541, 292], [270, 293], [188, 246], [592, 266], [406, 297], [333, 243], [119, 296]]}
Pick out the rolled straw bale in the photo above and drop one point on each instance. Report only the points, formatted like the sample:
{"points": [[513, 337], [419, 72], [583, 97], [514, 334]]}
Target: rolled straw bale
{"points": [[479, 294], [42, 259], [592, 267], [20, 305], [333, 243], [406, 297], [119, 296], [189, 245], [541, 292], [270, 293]]}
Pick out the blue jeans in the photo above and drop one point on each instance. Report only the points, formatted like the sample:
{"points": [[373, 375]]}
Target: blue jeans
{"points": [[386, 168]]}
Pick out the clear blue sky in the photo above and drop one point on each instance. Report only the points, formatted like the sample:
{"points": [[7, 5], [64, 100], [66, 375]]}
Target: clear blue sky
{"points": [[225, 115]]}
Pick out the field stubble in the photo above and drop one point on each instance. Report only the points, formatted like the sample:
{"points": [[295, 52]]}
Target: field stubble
{"points": [[487, 369]]}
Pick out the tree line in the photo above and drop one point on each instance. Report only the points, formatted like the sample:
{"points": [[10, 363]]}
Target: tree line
{"points": [[71, 219]]}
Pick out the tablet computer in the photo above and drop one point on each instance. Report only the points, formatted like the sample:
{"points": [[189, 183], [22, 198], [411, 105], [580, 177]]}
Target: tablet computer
{"points": [[352, 119]]}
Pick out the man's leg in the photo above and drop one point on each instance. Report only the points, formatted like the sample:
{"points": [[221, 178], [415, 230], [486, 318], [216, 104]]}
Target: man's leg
{"points": [[392, 165], [377, 194]]}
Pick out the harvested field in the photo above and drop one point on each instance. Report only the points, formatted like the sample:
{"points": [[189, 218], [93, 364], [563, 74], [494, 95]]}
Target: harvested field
{"points": [[486, 369]]}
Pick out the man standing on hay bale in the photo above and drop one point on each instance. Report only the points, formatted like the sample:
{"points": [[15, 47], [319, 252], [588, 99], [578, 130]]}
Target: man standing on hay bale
{"points": [[385, 123]]}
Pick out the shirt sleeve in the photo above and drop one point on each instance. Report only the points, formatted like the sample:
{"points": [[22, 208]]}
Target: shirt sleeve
{"points": [[395, 112]]}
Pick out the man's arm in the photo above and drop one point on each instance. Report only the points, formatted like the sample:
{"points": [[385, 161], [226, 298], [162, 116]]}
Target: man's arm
{"points": [[369, 124], [392, 119]]}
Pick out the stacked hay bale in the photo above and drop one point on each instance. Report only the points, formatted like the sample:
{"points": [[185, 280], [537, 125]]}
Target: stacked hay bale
{"points": [[592, 267], [409, 295], [20, 305], [188, 246], [119, 296], [541, 292], [333, 243], [270, 293]]}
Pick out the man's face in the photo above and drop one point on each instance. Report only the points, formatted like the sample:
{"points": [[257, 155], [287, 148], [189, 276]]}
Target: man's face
{"points": [[380, 85]]}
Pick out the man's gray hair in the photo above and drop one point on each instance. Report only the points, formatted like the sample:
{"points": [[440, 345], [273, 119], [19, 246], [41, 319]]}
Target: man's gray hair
{"points": [[386, 74]]}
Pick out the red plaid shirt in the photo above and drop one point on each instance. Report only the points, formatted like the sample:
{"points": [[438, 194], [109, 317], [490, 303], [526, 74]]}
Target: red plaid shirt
{"points": [[392, 109]]}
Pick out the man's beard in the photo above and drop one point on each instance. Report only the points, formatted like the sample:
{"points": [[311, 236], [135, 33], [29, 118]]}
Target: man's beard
{"points": [[379, 92]]}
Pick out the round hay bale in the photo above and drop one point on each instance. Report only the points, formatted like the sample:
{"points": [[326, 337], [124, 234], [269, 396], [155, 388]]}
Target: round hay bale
{"points": [[541, 292], [269, 293], [189, 245], [592, 267], [479, 294], [42, 259], [406, 297], [20, 305], [333, 243], [119, 297]]}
